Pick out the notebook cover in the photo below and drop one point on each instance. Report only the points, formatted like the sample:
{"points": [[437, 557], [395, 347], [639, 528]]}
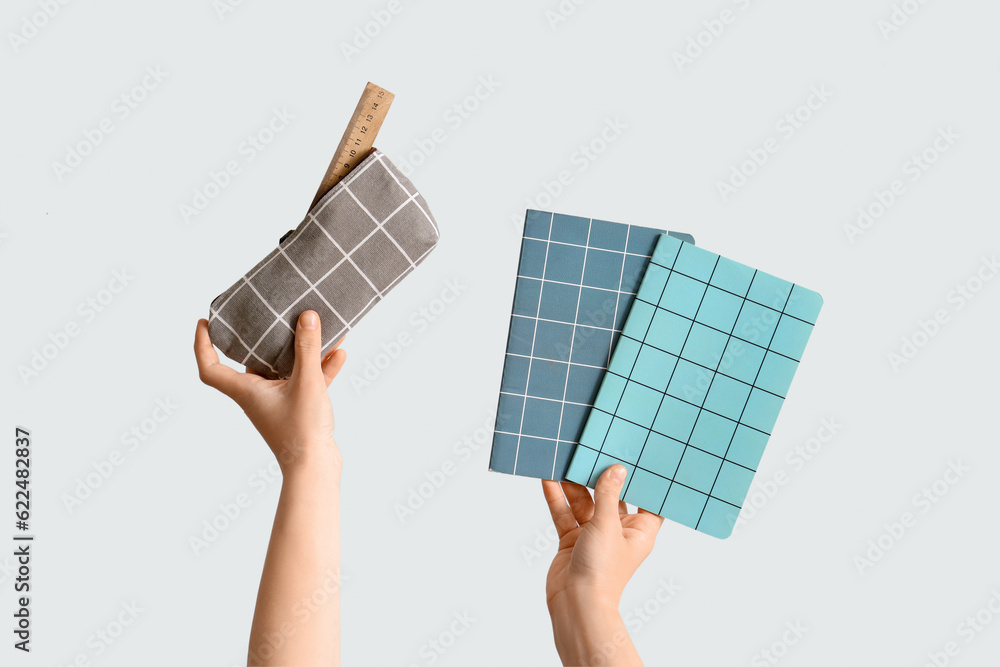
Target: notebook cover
{"points": [[695, 385], [575, 283]]}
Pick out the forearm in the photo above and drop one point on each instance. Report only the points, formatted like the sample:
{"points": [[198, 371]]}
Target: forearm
{"points": [[591, 632], [297, 618]]}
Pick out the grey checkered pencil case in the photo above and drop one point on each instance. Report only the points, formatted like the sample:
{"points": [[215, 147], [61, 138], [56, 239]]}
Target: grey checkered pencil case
{"points": [[357, 243]]}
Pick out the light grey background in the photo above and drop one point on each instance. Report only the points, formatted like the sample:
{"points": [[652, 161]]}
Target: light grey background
{"points": [[479, 544]]}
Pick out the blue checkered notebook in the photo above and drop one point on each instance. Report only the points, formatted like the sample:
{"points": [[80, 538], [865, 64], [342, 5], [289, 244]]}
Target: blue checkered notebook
{"points": [[576, 281], [695, 385]]}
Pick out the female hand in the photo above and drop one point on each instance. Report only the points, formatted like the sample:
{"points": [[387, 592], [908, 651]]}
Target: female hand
{"points": [[294, 416], [600, 547]]}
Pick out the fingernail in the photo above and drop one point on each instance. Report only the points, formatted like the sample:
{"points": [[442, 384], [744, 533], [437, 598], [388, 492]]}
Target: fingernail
{"points": [[309, 319], [618, 473]]}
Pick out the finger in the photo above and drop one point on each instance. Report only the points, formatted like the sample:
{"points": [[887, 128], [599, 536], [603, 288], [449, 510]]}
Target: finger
{"points": [[562, 515], [211, 372], [579, 501], [332, 365], [308, 344], [647, 522], [642, 527], [622, 508], [336, 345], [606, 494]]}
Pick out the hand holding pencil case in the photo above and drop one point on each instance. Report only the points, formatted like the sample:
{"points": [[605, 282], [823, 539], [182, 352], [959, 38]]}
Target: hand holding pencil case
{"points": [[353, 246]]}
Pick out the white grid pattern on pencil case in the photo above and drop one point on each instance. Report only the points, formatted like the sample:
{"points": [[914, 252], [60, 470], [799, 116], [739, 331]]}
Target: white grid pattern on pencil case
{"points": [[347, 256], [534, 335], [413, 262], [312, 286], [411, 196], [281, 251], [322, 204], [347, 327], [379, 227], [215, 315], [274, 312], [579, 296], [414, 195], [351, 177], [405, 273], [267, 303], [381, 296], [327, 198]]}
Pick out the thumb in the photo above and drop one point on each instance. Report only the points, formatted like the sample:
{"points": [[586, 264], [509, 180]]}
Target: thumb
{"points": [[606, 494], [308, 343]]}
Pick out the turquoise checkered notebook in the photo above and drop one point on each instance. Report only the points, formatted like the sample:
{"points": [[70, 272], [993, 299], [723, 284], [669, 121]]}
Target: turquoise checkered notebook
{"points": [[695, 384]]}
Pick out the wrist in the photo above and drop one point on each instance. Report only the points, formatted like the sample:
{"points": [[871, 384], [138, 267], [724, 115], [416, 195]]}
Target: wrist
{"points": [[581, 611], [588, 629], [591, 599], [310, 460]]}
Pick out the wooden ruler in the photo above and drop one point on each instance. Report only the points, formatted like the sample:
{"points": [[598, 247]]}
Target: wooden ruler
{"points": [[359, 137]]}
